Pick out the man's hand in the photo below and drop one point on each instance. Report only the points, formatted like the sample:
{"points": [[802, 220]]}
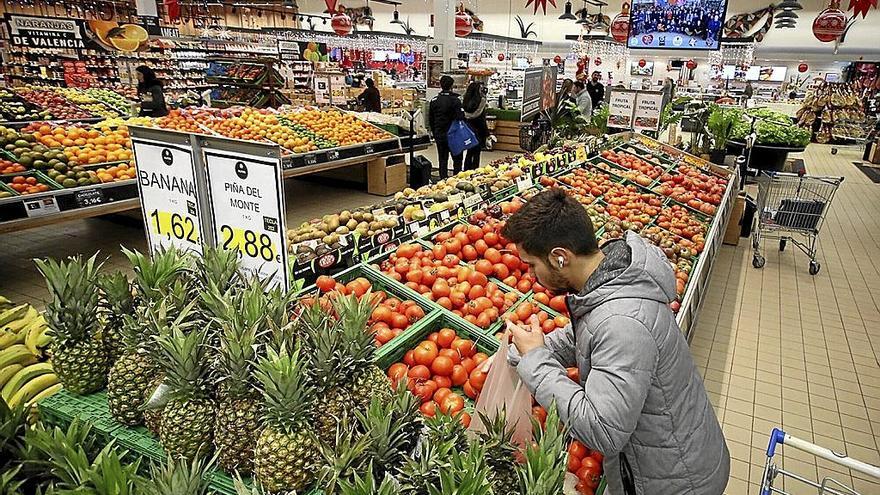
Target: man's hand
{"points": [[526, 338]]}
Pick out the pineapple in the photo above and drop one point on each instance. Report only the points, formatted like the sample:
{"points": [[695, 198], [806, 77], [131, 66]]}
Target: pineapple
{"points": [[393, 429], [367, 485], [546, 459], [500, 452], [342, 457], [153, 276], [187, 428], [131, 376], [218, 267], [177, 477], [286, 456], [368, 380], [118, 301], [78, 354], [153, 417]]}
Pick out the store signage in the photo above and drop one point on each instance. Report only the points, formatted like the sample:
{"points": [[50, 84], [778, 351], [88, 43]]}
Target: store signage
{"points": [[170, 32], [45, 32], [288, 50], [435, 50], [246, 199], [621, 107], [648, 106], [532, 92], [151, 24], [41, 207], [166, 180], [523, 183], [89, 197], [322, 90]]}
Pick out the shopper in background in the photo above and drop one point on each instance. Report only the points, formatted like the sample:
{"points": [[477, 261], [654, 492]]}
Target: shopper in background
{"points": [[149, 90], [748, 92], [370, 98], [565, 97], [584, 99], [668, 91], [444, 109], [474, 105], [640, 400], [596, 89]]}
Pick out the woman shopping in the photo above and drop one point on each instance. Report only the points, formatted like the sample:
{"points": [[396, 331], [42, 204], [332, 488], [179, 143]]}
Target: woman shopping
{"points": [[474, 105], [149, 90]]}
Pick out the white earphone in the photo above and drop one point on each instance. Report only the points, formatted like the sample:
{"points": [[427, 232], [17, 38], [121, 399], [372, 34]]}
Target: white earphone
{"points": [[561, 261]]}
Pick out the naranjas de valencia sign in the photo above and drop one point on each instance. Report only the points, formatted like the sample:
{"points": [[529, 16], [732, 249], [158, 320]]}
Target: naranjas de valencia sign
{"points": [[45, 32]]}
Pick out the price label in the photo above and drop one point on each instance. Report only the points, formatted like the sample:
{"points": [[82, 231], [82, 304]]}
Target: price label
{"points": [[472, 200], [444, 215], [166, 180], [246, 199], [311, 159], [369, 149], [89, 197], [523, 183], [455, 198], [41, 207], [332, 155], [580, 153]]}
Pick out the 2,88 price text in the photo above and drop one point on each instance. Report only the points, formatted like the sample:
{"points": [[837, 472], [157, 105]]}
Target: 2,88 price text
{"points": [[175, 225], [248, 243]]}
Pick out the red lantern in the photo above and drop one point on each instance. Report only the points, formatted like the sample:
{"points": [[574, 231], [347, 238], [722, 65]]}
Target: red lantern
{"points": [[691, 64], [557, 59], [501, 57], [830, 23], [597, 61], [464, 24], [643, 62], [341, 24], [803, 68], [620, 24]]}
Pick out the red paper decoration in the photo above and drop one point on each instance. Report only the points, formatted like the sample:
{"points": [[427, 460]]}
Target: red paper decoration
{"points": [[501, 57], [830, 23], [620, 24], [464, 24], [341, 24], [557, 59], [172, 7], [691, 64], [540, 3], [642, 62], [861, 6], [598, 61], [803, 68]]}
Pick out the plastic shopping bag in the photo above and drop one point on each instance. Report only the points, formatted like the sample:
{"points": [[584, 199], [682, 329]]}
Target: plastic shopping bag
{"points": [[504, 391], [460, 137]]}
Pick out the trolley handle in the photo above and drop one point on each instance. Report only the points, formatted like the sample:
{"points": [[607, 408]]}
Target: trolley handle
{"points": [[780, 437]]}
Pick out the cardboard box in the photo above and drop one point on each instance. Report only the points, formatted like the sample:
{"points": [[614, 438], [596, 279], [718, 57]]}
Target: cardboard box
{"points": [[731, 235], [384, 178]]}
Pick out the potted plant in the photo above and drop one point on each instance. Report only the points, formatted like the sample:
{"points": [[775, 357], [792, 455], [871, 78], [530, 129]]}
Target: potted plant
{"points": [[777, 136], [721, 122]]}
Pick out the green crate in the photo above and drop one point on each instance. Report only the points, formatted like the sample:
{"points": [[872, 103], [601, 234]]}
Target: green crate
{"points": [[61, 409], [141, 441]]}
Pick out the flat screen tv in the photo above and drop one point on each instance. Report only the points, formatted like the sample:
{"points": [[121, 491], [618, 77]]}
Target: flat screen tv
{"points": [[676, 24]]}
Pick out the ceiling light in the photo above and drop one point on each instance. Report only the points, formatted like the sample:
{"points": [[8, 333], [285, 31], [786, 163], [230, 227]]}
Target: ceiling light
{"points": [[290, 4], [789, 5], [788, 14], [785, 24], [568, 16], [368, 14], [396, 19]]}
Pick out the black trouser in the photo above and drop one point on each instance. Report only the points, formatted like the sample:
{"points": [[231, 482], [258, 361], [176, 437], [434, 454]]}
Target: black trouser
{"points": [[472, 158], [443, 159]]}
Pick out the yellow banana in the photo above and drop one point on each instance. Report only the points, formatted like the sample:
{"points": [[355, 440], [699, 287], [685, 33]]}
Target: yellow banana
{"points": [[54, 389], [8, 372], [29, 317], [35, 331], [23, 376], [32, 388], [7, 339], [16, 353], [13, 314], [44, 339]]}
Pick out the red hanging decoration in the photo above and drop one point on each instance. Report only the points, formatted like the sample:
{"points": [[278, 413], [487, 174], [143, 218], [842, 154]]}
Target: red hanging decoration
{"points": [[803, 68], [598, 61], [620, 24], [691, 64], [172, 7], [861, 6], [341, 23], [830, 23], [643, 62], [464, 23], [501, 57], [557, 59], [540, 3]]}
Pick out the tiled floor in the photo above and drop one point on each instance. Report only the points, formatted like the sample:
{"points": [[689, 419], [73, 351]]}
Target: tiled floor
{"points": [[777, 347]]}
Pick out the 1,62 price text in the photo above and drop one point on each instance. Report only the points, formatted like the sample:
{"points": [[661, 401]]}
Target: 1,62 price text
{"points": [[181, 227], [249, 243]]}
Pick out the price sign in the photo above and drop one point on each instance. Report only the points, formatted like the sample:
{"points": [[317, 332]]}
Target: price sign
{"points": [[166, 180], [455, 198], [89, 197], [523, 182], [247, 208], [41, 207], [311, 159], [332, 155], [472, 200], [580, 153], [369, 149]]}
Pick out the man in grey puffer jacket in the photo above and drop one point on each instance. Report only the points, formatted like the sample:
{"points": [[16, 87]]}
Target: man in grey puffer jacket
{"points": [[640, 400]]}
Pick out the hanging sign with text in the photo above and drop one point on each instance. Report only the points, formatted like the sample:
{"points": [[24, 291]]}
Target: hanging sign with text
{"points": [[649, 104], [45, 32], [166, 181], [246, 200], [621, 106]]}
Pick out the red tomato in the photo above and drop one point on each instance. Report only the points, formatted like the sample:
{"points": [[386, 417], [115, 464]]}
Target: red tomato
{"points": [[441, 394], [459, 375], [465, 347], [429, 409], [325, 283], [451, 354], [590, 472], [477, 379], [474, 233], [445, 337], [419, 372], [469, 253], [484, 266], [381, 313], [465, 419], [442, 381], [574, 464], [492, 254], [595, 454], [409, 358], [451, 404], [424, 355], [557, 303], [540, 414], [573, 374], [397, 371], [399, 321], [442, 366], [452, 245], [425, 389], [469, 364], [577, 449], [438, 251], [469, 390], [444, 302], [414, 313]]}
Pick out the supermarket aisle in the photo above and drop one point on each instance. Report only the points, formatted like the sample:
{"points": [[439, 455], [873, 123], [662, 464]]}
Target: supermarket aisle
{"points": [[778, 347]]}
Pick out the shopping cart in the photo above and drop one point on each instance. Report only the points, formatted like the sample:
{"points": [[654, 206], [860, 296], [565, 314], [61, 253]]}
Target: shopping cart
{"points": [[827, 485], [791, 205]]}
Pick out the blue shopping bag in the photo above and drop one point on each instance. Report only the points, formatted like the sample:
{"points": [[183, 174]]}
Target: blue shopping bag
{"points": [[460, 137]]}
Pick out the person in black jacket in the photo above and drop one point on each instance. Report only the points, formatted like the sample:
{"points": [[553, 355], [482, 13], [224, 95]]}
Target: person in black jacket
{"points": [[443, 110], [475, 115], [370, 98], [596, 89], [150, 92]]}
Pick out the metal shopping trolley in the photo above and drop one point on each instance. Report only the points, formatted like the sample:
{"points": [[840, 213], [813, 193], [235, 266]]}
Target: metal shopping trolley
{"points": [[791, 207], [827, 485]]}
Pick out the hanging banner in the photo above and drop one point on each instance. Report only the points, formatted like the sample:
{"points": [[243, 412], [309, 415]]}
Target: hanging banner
{"points": [[532, 92], [246, 200], [45, 32], [649, 104], [621, 106], [167, 185]]}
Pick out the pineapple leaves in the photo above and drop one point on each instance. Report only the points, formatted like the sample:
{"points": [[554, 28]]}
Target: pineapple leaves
{"points": [[546, 459]]}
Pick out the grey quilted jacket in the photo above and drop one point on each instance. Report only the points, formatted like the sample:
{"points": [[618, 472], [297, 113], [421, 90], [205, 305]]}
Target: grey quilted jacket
{"points": [[641, 401]]}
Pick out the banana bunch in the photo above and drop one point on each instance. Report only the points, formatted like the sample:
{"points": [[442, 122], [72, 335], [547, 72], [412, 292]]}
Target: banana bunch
{"points": [[26, 374]]}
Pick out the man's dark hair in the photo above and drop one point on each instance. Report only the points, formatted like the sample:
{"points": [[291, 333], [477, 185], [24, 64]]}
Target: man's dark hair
{"points": [[549, 220], [446, 83], [370, 83], [579, 85]]}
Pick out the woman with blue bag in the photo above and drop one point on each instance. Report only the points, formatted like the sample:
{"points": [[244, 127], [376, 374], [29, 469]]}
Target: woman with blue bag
{"points": [[444, 121]]}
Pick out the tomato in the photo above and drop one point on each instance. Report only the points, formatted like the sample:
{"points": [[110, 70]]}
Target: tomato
{"points": [[524, 286], [414, 276], [481, 247], [424, 355], [573, 374], [479, 358], [409, 358], [474, 233], [384, 335], [419, 372], [483, 320], [407, 250], [429, 409], [445, 337], [325, 283], [491, 238], [595, 454], [442, 366], [583, 489], [465, 347], [451, 404], [414, 313], [541, 297], [524, 311], [512, 261], [442, 381], [381, 313], [561, 321], [451, 354], [590, 472], [477, 379], [440, 288], [397, 371], [451, 261], [459, 375], [453, 245], [485, 267], [465, 419], [577, 449], [438, 251], [399, 321], [574, 463], [469, 253], [548, 326], [458, 298], [540, 414], [441, 394], [469, 390], [444, 302], [501, 271], [469, 364], [424, 389]]}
